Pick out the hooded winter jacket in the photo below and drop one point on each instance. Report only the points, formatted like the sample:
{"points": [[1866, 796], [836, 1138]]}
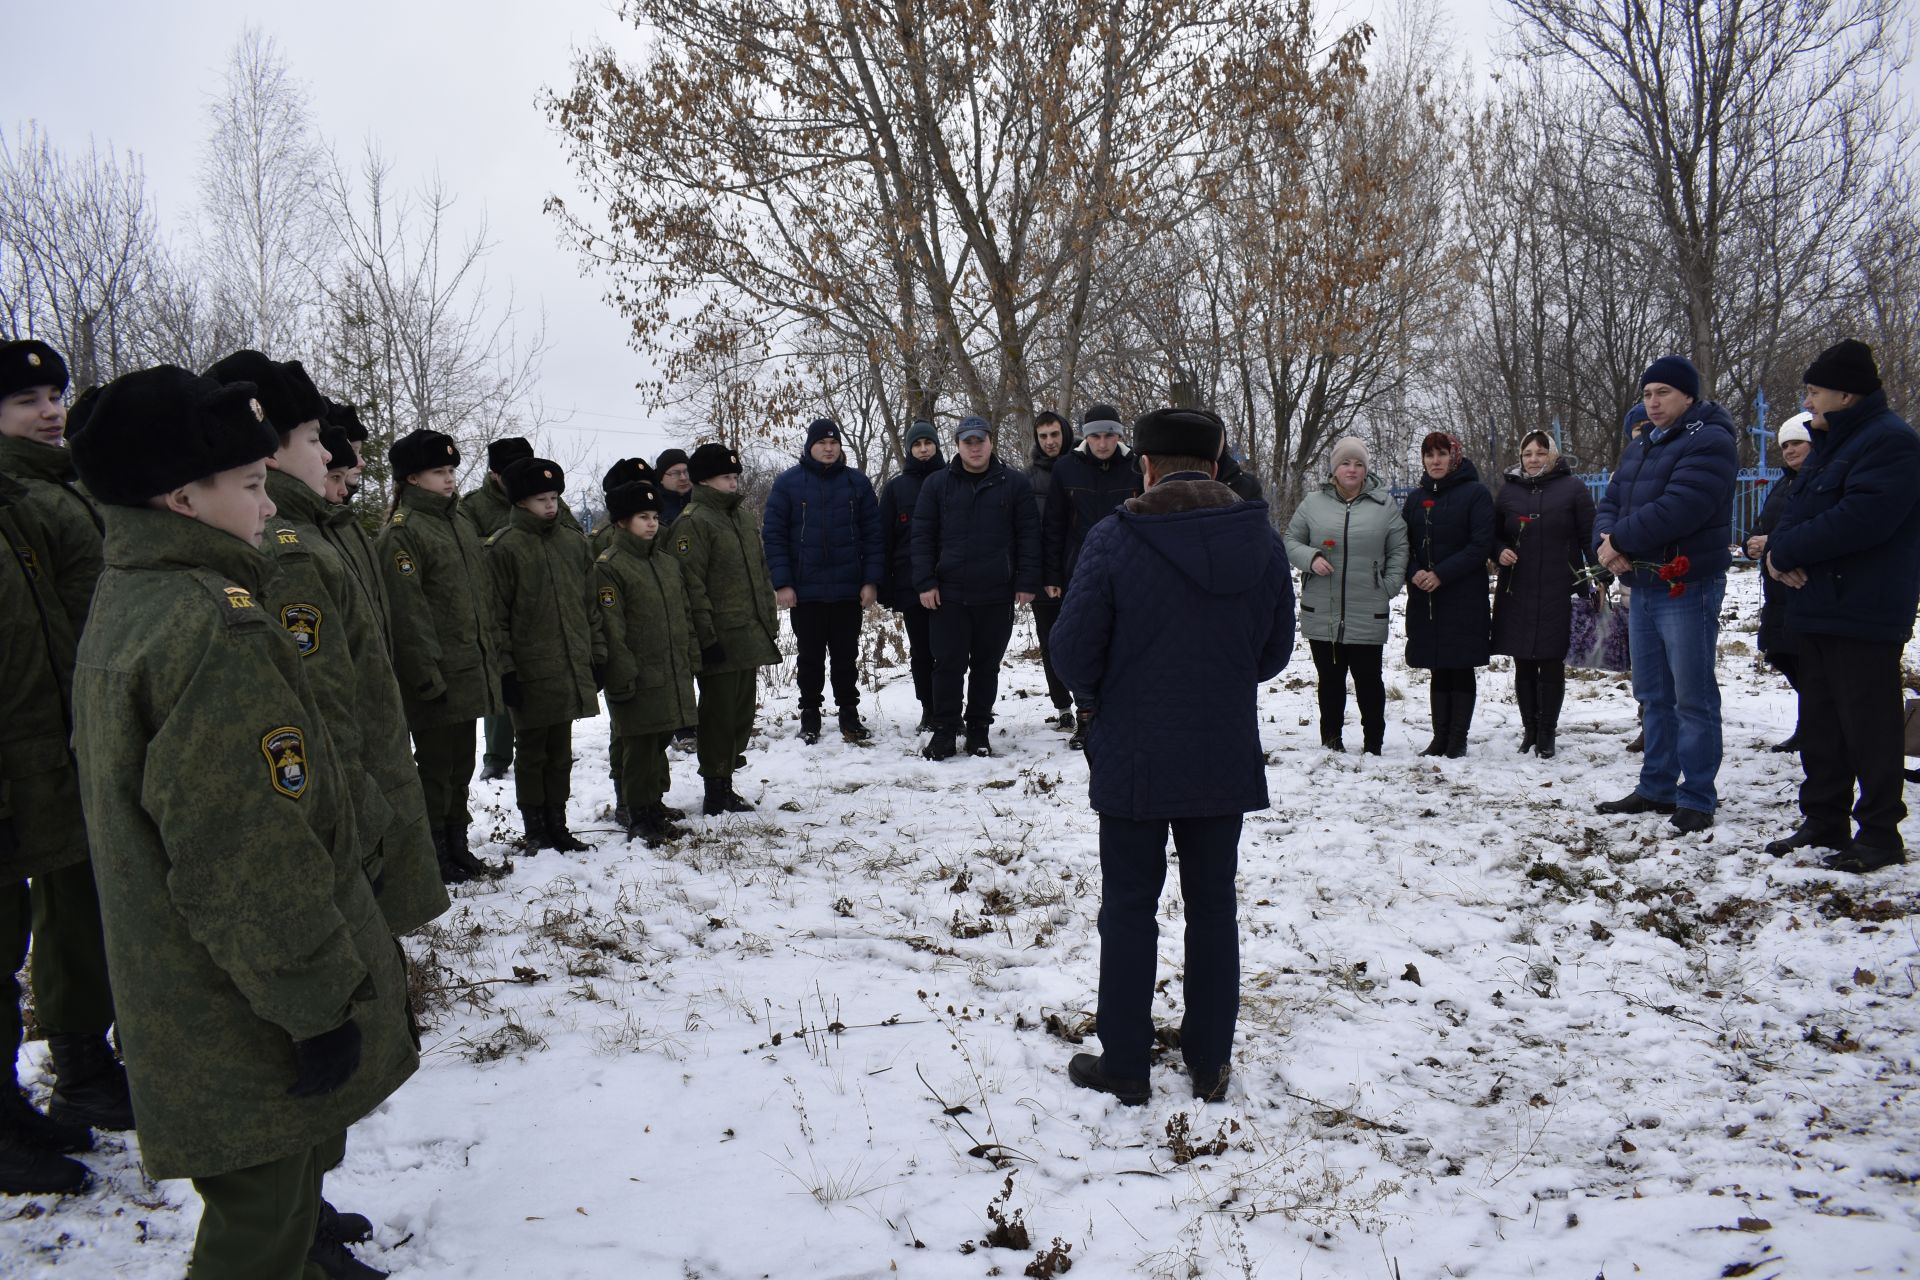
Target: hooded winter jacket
{"points": [[1672, 495], [648, 628], [1365, 543], [1085, 492], [821, 530], [1040, 469], [1181, 606], [1853, 523], [544, 606], [728, 588], [897, 501], [446, 638], [976, 537], [1450, 531], [1547, 521]]}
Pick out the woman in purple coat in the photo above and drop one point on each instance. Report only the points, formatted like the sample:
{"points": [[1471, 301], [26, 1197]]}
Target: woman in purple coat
{"points": [[1543, 527]]}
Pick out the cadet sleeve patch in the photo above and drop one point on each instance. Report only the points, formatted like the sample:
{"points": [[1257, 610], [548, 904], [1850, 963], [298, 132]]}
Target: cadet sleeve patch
{"points": [[286, 751], [682, 544], [607, 598], [404, 563], [239, 598], [399, 518], [302, 621], [285, 538]]}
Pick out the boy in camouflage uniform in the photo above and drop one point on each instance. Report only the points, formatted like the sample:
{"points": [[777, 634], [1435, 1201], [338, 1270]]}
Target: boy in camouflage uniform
{"points": [[731, 594], [262, 1000], [544, 616]]}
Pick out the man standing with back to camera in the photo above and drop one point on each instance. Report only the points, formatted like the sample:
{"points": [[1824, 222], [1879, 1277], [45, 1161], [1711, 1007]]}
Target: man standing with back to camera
{"points": [[1182, 603]]}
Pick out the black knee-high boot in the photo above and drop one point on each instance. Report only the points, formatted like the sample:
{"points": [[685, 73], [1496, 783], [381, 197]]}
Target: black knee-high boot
{"points": [[1552, 692], [1440, 702], [1526, 693], [1459, 720]]}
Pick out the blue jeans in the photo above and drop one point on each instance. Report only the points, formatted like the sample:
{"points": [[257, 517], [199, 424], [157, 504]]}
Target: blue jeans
{"points": [[1675, 640]]}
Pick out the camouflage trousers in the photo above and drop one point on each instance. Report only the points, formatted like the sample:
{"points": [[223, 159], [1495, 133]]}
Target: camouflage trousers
{"points": [[259, 1221], [728, 700], [59, 916], [543, 774], [444, 754], [641, 773]]}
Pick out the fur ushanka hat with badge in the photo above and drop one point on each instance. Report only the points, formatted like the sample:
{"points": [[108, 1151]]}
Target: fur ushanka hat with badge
{"points": [[153, 431], [711, 460], [282, 387], [28, 363], [422, 450], [531, 477]]}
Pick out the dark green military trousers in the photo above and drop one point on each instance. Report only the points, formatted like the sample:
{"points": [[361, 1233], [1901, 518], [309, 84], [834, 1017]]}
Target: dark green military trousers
{"points": [[643, 768], [444, 753], [60, 917], [543, 775], [727, 703], [500, 740], [258, 1222]]}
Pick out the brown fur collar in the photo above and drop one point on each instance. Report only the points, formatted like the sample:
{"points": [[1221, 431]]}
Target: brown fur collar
{"points": [[1170, 496]]}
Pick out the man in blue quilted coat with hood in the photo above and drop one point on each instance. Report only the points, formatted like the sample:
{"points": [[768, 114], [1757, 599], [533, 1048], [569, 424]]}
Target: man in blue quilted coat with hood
{"points": [[1182, 604]]}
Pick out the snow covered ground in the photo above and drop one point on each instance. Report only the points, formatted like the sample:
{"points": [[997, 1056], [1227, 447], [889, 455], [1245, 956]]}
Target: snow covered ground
{"points": [[1485, 1032]]}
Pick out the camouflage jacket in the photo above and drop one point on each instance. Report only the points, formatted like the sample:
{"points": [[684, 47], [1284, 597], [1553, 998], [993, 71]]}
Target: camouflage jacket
{"points": [[72, 523], [340, 526], [238, 916], [543, 602], [39, 789], [728, 587], [486, 510], [446, 646], [648, 630], [336, 631]]}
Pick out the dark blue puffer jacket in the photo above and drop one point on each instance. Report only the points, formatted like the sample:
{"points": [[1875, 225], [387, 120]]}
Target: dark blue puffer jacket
{"points": [[897, 501], [1085, 491], [1673, 495], [1181, 605], [822, 532], [1853, 523], [976, 537]]}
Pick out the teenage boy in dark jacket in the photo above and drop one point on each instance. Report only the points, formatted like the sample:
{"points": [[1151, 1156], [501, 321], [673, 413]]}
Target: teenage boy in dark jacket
{"points": [[1052, 440], [821, 530], [976, 554], [897, 502], [1088, 485], [1848, 548], [1175, 738]]}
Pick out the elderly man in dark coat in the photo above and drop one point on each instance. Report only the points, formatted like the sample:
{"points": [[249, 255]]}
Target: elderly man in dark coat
{"points": [[1182, 603]]}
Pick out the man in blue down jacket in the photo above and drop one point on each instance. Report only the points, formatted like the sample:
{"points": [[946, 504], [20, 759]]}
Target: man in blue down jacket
{"points": [[976, 554], [822, 534], [1672, 497], [1848, 546], [1181, 605]]}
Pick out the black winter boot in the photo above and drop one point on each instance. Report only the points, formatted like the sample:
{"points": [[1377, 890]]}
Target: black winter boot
{"points": [[536, 839], [25, 1123], [89, 1084], [450, 874], [29, 1171], [722, 798], [1552, 693], [851, 729], [344, 1228], [1526, 695], [1442, 708], [1082, 721], [460, 854], [810, 726], [1459, 720], [337, 1262], [558, 835], [942, 745], [1333, 716], [979, 741]]}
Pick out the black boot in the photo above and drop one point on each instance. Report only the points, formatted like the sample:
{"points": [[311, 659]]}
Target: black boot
{"points": [[978, 741], [558, 835], [25, 1123], [460, 854], [344, 1228], [1790, 743], [942, 745], [450, 874], [1439, 703], [1333, 716], [27, 1170], [926, 720], [492, 771], [1526, 695], [89, 1084], [673, 814], [1459, 720], [851, 728], [810, 726], [1552, 693], [1082, 721], [337, 1262], [536, 839], [722, 798]]}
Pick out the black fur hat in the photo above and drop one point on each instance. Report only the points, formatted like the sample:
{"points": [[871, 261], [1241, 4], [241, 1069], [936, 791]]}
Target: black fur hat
{"points": [[422, 450], [711, 460], [281, 386], [631, 499], [347, 418], [1179, 433], [506, 451], [626, 471], [339, 448], [153, 431], [531, 476], [81, 410], [29, 362]]}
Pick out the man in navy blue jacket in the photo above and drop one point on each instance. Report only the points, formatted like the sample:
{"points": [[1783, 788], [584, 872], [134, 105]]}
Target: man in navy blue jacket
{"points": [[976, 554], [1088, 485], [1848, 546], [1665, 526], [1182, 604], [824, 554]]}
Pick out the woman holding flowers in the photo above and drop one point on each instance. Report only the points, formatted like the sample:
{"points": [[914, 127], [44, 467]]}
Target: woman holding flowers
{"points": [[1543, 527], [1350, 547], [1449, 518]]}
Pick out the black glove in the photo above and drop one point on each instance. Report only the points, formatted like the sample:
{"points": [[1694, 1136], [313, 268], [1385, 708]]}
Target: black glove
{"points": [[713, 655], [599, 675], [326, 1062], [510, 689]]}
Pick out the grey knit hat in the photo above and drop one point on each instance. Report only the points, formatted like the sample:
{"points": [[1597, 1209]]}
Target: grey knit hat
{"points": [[1348, 449]]}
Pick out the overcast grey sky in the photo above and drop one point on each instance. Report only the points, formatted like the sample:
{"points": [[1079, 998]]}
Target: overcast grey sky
{"points": [[441, 85]]}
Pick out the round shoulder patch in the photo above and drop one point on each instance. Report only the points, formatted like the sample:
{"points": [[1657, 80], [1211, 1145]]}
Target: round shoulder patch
{"points": [[404, 563], [682, 544], [607, 598]]}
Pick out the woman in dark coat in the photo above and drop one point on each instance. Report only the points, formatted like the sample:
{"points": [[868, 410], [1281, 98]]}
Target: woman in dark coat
{"points": [[1449, 519], [1776, 638], [896, 537], [1543, 526]]}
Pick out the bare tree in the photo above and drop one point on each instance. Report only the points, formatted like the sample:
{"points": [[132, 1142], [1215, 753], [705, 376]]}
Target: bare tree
{"points": [[264, 232]]}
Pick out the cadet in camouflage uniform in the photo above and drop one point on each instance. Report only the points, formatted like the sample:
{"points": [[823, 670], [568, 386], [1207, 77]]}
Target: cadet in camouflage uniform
{"points": [[347, 419], [336, 628], [647, 628], [445, 647], [262, 999], [342, 529], [623, 472], [543, 609], [73, 1001], [41, 828], [731, 594], [486, 509]]}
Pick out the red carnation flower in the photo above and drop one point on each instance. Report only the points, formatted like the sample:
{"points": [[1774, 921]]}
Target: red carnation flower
{"points": [[1677, 589], [1428, 504], [1328, 543], [1680, 566], [1761, 480]]}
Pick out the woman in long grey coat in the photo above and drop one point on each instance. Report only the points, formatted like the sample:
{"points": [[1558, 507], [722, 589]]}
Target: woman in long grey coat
{"points": [[1350, 546], [1543, 528]]}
